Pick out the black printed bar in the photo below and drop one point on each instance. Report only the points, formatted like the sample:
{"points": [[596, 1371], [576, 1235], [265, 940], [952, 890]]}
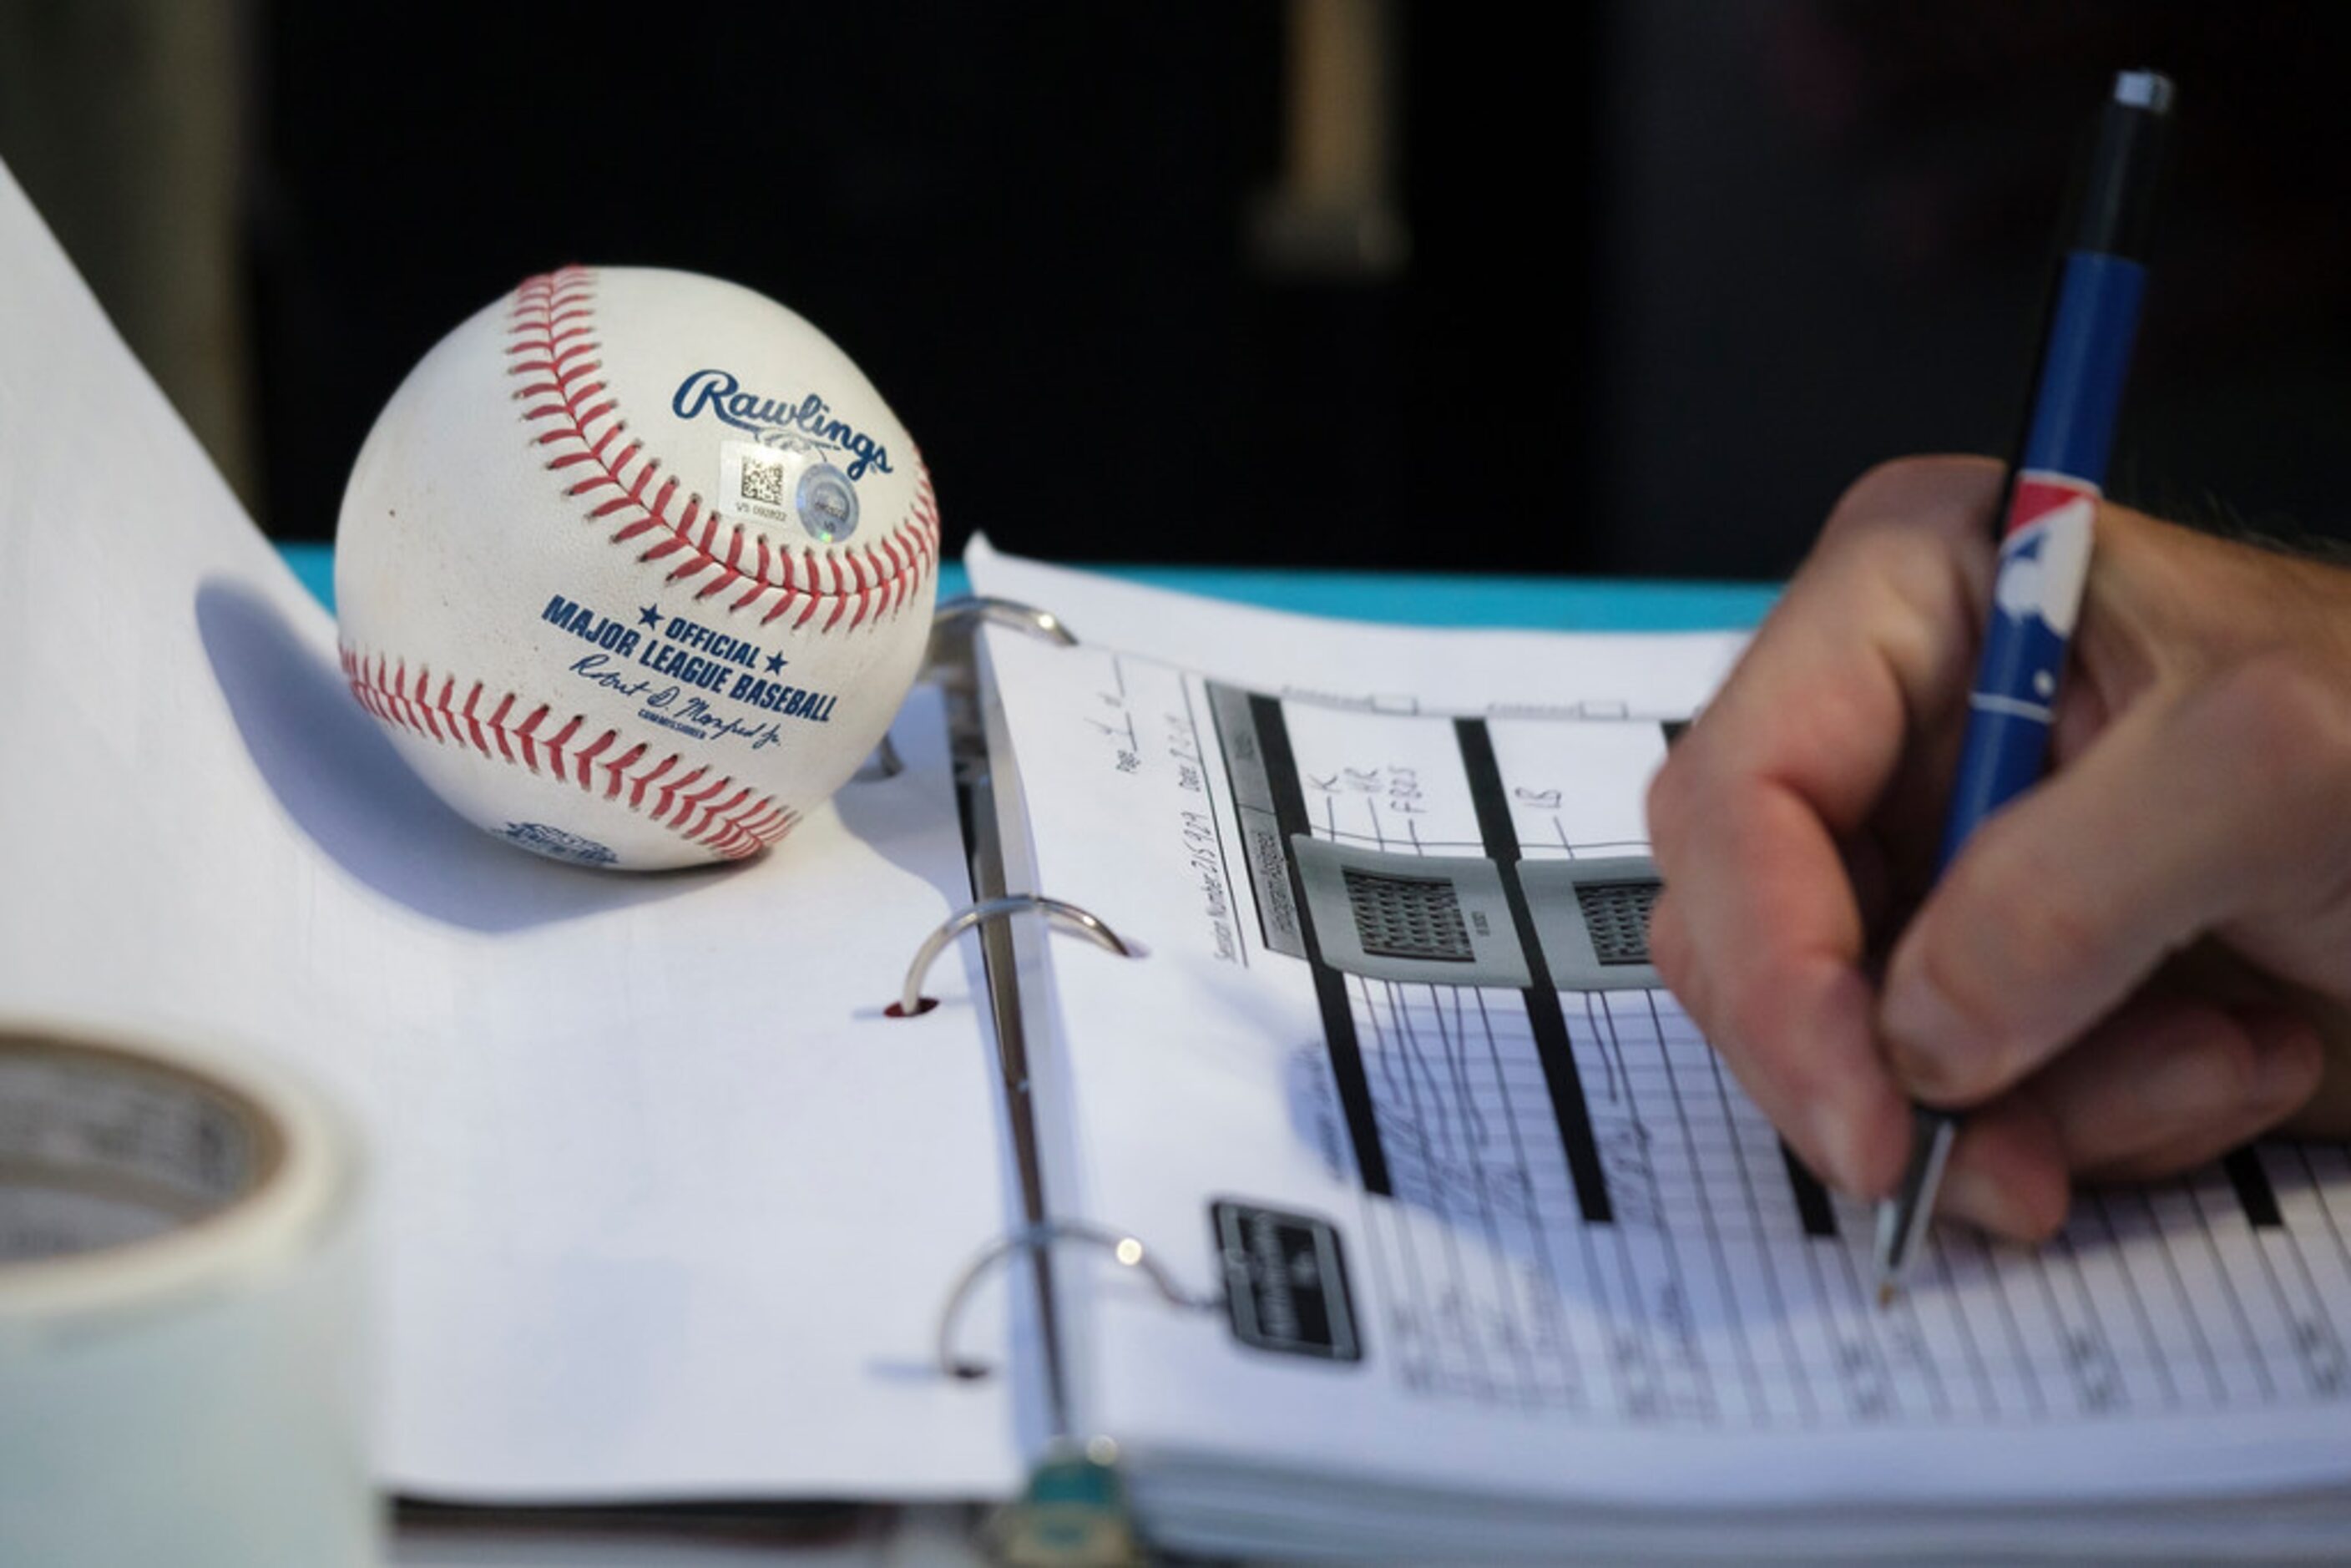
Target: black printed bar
{"points": [[1330, 986], [1812, 1206], [1553, 1047], [2253, 1189]]}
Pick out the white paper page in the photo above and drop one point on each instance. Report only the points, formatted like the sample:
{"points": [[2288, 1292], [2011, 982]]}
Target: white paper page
{"points": [[664, 1205], [1580, 1266]]}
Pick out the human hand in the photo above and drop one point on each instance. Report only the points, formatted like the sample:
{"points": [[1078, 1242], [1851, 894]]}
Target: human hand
{"points": [[2135, 967]]}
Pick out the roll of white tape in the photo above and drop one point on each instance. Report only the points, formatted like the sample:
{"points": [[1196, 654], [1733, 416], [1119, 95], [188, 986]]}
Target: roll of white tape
{"points": [[180, 1341]]}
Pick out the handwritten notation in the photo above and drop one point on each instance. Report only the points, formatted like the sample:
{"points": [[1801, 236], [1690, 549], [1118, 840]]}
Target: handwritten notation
{"points": [[1393, 786], [1115, 725]]}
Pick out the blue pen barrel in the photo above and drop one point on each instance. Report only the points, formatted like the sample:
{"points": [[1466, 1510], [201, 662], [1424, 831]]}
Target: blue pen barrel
{"points": [[2083, 367], [2001, 760], [2046, 548]]}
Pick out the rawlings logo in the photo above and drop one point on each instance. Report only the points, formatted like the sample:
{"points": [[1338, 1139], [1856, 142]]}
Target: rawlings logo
{"points": [[776, 422]]}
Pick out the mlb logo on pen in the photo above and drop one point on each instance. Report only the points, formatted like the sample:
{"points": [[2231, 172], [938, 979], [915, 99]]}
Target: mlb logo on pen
{"points": [[2043, 561], [2041, 495]]}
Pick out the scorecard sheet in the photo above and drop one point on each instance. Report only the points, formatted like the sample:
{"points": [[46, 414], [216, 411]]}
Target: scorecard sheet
{"points": [[1487, 1211]]}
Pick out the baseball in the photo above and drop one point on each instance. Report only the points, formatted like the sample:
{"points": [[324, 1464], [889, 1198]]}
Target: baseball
{"points": [[636, 568]]}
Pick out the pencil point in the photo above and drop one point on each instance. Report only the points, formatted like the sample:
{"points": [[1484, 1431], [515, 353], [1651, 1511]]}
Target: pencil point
{"points": [[1887, 1290]]}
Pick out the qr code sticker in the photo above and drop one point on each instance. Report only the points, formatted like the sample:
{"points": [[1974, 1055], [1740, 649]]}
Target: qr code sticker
{"points": [[763, 482]]}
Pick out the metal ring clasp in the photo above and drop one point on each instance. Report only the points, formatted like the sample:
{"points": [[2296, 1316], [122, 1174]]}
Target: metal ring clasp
{"points": [[1061, 914], [1128, 1250]]}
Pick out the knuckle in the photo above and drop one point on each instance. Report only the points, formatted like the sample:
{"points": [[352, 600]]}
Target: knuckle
{"points": [[1878, 488], [2014, 923], [1904, 489], [1924, 579], [2284, 719], [2047, 936], [2033, 920], [2286, 732]]}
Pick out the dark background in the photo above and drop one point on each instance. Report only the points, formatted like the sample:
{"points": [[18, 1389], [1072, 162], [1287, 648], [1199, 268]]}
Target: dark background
{"points": [[1639, 287]]}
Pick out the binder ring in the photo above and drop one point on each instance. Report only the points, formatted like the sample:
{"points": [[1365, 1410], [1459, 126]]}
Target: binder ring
{"points": [[1127, 1250], [1067, 916], [953, 621], [952, 614]]}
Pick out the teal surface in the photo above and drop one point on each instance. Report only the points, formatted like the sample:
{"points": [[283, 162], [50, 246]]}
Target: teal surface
{"points": [[1553, 603]]}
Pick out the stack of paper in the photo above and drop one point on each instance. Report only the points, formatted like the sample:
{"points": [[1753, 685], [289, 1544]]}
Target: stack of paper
{"points": [[1511, 1266]]}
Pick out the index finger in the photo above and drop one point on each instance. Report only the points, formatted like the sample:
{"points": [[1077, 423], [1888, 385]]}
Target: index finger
{"points": [[1766, 939]]}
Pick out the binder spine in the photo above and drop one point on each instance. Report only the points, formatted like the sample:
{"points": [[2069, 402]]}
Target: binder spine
{"points": [[1073, 1513]]}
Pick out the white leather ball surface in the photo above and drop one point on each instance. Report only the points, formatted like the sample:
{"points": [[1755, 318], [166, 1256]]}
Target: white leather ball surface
{"points": [[636, 568]]}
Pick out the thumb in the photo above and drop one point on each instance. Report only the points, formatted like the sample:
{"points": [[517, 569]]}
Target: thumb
{"points": [[2175, 821]]}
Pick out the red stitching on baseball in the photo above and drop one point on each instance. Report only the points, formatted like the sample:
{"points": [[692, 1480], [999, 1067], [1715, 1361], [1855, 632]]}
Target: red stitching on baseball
{"points": [[738, 826], [553, 327]]}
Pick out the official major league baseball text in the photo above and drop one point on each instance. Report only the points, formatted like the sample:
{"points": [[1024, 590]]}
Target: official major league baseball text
{"points": [[568, 641]]}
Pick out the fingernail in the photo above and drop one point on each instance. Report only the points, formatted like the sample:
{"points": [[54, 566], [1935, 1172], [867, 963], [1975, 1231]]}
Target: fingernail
{"points": [[1932, 1043], [1831, 1142]]}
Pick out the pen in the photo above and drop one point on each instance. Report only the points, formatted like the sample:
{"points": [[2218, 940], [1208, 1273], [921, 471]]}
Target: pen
{"points": [[2044, 553]]}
